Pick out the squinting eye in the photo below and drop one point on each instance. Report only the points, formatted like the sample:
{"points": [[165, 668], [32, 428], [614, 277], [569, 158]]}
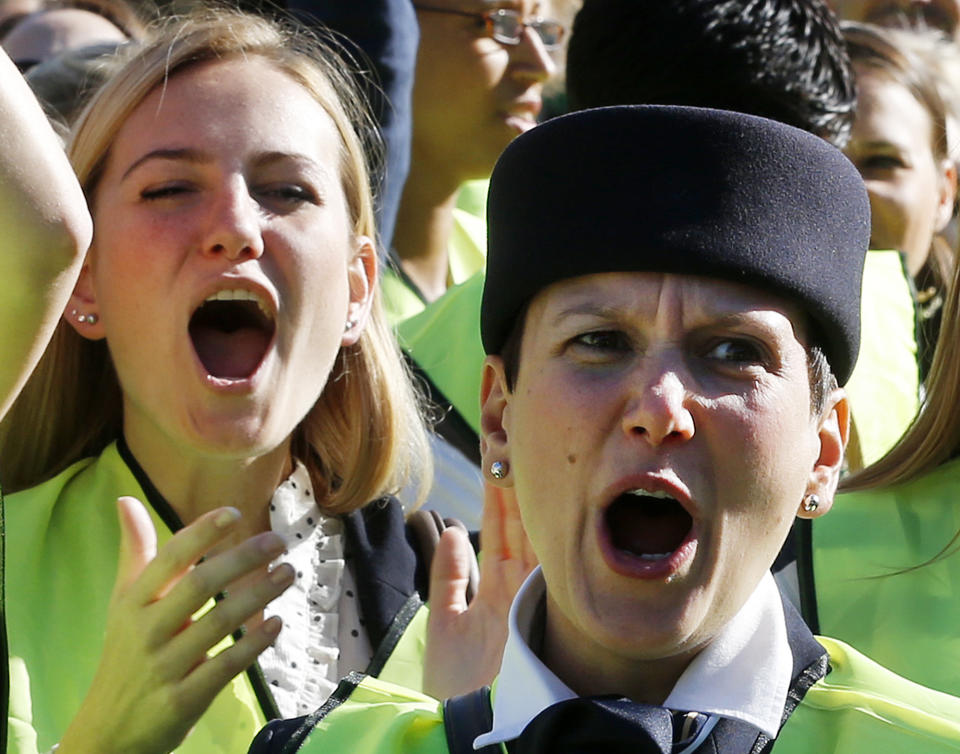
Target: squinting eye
{"points": [[164, 192], [602, 340], [881, 162], [291, 193], [736, 351]]}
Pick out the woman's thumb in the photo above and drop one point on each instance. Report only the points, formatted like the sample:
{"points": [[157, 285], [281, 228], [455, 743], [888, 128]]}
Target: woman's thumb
{"points": [[138, 540]]}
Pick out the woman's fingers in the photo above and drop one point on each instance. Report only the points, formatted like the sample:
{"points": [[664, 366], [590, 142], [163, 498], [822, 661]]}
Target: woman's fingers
{"points": [[506, 554], [450, 572], [202, 685], [181, 553], [138, 541], [505, 560], [225, 618], [155, 678], [211, 577]]}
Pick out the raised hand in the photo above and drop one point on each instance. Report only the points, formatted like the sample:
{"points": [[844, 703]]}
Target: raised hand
{"points": [[155, 678], [465, 642]]}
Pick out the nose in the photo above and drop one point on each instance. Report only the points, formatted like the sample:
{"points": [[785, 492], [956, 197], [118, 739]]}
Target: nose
{"points": [[532, 62], [658, 410], [235, 230]]}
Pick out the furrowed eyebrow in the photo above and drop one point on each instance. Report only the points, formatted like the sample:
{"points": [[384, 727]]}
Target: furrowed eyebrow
{"points": [[587, 308], [732, 320], [183, 155], [602, 311]]}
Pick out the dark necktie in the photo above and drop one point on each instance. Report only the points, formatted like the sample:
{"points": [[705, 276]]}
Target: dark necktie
{"points": [[589, 725]]}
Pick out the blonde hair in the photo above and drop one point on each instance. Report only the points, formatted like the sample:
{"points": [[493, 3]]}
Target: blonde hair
{"points": [[364, 437]]}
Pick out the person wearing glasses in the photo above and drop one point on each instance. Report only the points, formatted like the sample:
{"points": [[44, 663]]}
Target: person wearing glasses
{"points": [[662, 396], [478, 84]]}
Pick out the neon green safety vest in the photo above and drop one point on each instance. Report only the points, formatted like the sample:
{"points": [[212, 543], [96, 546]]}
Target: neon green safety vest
{"points": [[466, 249], [909, 621], [61, 564], [884, 386], [859, 708]]}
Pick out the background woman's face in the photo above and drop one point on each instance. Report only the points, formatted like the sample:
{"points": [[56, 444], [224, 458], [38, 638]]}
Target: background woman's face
{"points": [[892, 146], [472, 94], [223, 268]]}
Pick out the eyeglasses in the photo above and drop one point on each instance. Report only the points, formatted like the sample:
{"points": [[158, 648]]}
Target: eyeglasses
{"points": [[507, 26]]}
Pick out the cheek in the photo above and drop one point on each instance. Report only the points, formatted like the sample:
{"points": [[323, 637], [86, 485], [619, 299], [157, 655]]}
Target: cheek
{"points": [[553, 416], [554, 438], [491, 62], [120, 280], [770, 464], [890, 214]]}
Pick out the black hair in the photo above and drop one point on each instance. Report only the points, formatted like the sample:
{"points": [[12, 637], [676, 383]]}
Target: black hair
{"points": [[780, 59]]}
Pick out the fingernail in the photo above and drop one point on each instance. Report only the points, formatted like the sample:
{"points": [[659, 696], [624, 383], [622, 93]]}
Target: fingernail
{"points": [[281, 574], [272, 626], [271, 544], [226, 517]]}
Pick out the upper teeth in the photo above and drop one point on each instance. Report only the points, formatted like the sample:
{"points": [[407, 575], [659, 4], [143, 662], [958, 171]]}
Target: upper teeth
{"points": [[240, 295], [651, 493]]}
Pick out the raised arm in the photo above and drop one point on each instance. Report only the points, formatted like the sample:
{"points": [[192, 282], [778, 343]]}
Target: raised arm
{"points": [[45, 230]]}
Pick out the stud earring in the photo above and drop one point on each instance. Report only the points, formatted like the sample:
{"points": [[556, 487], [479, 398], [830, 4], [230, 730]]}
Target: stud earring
{"points": [[810, 503], [349, 325], [88, 319], [498, 469]]}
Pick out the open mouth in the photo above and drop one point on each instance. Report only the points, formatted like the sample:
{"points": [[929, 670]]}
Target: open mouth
{"points": [[231, 332], [647, 525]]}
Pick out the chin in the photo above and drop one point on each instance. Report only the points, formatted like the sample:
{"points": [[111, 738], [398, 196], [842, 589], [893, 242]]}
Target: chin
{"points": [[236, 438]]}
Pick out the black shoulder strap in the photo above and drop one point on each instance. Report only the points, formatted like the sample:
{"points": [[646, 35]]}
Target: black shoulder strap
{"points": [[287, 736], [803, 537], [466, 717]]}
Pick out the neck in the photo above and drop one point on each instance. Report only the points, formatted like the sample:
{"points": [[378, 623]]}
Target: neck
{"points": [[591, 669], [425, 222], [194, 484]]}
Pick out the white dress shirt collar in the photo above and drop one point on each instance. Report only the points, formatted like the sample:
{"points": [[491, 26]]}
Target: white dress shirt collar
{"points": [[744, 673]]}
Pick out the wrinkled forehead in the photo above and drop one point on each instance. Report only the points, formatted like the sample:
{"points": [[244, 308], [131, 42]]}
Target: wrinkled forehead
{"points": [[684, 300]]}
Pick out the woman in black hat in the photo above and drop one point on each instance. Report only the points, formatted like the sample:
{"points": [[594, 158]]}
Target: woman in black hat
{"points": [[668, 315]]}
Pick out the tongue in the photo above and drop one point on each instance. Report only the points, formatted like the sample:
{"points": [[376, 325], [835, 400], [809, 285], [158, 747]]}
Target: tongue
{"points": [[651, 527], [230, 355]]}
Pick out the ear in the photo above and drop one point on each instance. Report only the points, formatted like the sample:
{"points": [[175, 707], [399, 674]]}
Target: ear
{"points": [[362, 278], [832, 434], [494, 421], [948, 194], [82, 312]]}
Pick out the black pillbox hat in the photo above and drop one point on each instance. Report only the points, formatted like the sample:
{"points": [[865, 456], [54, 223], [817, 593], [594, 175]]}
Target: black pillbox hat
{"points": [[680, 190]]}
